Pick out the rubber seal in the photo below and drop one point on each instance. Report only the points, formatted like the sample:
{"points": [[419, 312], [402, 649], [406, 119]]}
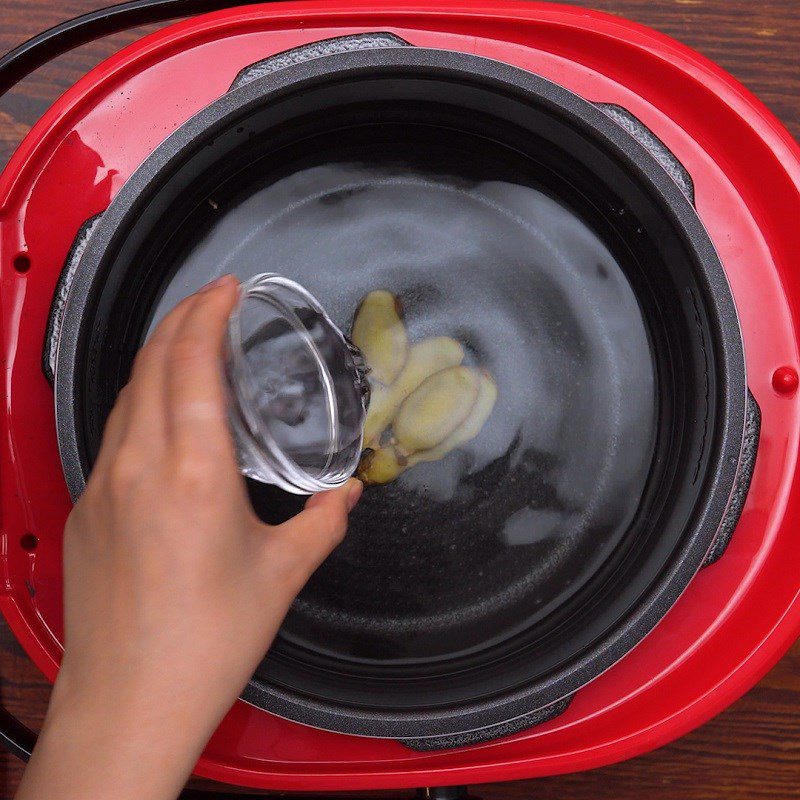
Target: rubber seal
{"points": [[59, 303], [747, 464], [468, 738], [326, 47], [660, 152]]}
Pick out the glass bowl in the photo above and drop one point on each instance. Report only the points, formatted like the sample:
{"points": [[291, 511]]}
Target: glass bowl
{"points": [[297, 387]]}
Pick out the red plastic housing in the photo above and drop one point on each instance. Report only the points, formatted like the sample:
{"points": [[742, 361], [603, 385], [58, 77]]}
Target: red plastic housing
{"points": [[737, 617]]}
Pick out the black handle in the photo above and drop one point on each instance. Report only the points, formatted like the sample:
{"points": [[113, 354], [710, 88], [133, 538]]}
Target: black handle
{"points": [[324, 47], [16, 737], [44, 47]]}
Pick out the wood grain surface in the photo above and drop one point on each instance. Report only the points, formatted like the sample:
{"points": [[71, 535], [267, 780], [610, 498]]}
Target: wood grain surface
{"points": [[752, 750]]}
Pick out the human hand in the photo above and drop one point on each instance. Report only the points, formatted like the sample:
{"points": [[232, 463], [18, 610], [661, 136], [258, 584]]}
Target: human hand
{"points": [[173, 588]]}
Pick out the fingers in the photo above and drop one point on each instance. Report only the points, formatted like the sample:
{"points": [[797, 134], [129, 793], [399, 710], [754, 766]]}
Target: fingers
{"points": [[140, 413], [114, 431], [318, 529], [140, 403], [146, 389], [196, 401]]}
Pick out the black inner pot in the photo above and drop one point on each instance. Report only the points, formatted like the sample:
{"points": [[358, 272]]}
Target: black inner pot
{"points": [[486, 544], [514, 216]]}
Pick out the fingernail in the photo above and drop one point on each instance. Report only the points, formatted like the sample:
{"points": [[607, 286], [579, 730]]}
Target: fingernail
{"points": [[354, 494], [216, 282]]}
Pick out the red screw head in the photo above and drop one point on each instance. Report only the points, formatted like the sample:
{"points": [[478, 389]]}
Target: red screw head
{"points": [[784, 380]]}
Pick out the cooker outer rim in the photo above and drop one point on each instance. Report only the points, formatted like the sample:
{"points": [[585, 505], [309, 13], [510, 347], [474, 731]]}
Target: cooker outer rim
{"points": [[719, 302]]}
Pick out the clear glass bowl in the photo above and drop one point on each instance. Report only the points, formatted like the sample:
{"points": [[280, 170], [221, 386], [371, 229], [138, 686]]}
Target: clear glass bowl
{"points": [[297, 386]]}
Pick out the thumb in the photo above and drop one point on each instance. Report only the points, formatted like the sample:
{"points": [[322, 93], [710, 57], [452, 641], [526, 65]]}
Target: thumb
{"points": [[320, 526]]}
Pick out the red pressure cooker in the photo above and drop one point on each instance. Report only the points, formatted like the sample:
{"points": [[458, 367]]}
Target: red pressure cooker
{"points": [[601, 217]]}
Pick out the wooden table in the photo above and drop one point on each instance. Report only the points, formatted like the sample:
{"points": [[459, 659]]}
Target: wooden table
{"points": [[753, 749]]}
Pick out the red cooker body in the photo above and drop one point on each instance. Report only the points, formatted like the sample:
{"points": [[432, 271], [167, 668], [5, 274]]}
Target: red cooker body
{"points": [[737, 617]]}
